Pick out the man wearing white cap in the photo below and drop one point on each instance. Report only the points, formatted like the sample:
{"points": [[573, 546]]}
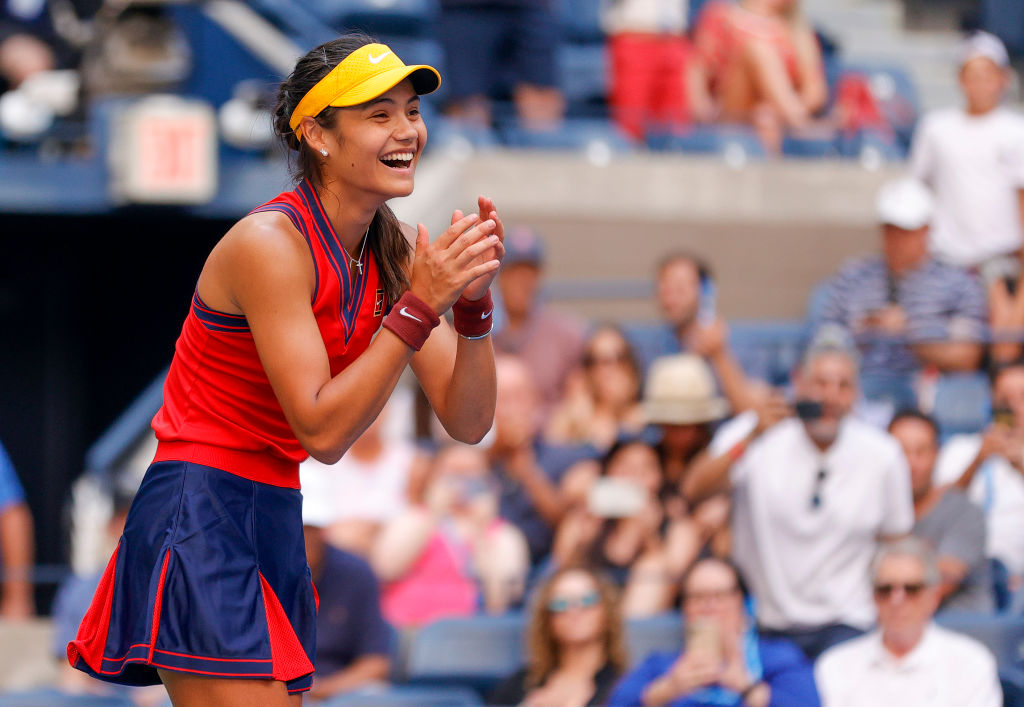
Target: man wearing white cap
{"points": [[904, 308], [973, 158]]}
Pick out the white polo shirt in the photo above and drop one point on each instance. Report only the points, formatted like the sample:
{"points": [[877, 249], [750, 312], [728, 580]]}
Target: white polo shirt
{"points": [[946, 669], [809, 567], [354, 489], [998, 488], [975, 165]]}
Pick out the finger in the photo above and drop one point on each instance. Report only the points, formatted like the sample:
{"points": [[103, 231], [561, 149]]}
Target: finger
{"points": [[476, 249], [499, 227], [455, 230], [471, 236], [422, 239], [456, 215], [482, 269]]}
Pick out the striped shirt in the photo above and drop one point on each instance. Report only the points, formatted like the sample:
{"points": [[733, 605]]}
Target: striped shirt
{"points": [[941, 303]]}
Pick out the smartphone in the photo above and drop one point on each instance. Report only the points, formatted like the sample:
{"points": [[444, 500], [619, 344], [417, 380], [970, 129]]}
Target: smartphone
{"points": [[705, 637], [708, 306], [616, 498], [809, 409], [1004, 416]]}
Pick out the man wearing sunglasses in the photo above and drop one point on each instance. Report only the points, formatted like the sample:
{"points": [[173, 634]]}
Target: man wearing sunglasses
{"points": [[908, 660], [814, 490]]}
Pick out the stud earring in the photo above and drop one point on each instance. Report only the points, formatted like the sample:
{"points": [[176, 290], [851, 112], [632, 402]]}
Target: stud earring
{"points": [[323, 151]]}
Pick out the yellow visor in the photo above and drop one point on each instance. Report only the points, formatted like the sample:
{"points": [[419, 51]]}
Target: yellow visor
{"points": [[363, 75]]}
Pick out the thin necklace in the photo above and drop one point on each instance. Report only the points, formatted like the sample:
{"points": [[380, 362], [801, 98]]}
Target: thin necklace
{"points": [[357, 262]]}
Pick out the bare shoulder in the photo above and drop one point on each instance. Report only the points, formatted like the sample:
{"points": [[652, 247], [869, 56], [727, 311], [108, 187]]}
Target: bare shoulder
{"points": [[261, 250]]}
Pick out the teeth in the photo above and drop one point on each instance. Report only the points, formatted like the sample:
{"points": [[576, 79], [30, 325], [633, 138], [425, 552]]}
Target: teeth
{"points": [[398, 157]]}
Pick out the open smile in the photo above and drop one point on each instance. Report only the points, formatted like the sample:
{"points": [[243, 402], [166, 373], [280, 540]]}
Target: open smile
{"points": [[398, 160]]}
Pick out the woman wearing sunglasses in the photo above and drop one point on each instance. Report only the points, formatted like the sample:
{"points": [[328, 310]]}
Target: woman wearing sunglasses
{"points": [[724, 661], [574, 643]]}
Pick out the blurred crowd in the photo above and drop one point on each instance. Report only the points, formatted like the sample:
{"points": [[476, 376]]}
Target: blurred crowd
{"points": [[807, 528]]}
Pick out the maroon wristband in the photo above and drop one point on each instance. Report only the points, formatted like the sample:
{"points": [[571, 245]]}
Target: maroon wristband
{"points": [[473, 318], [411, 320]]}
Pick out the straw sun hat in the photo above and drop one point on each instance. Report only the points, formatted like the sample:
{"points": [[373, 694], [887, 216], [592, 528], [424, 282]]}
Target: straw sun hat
{"points": [[681, 390]]}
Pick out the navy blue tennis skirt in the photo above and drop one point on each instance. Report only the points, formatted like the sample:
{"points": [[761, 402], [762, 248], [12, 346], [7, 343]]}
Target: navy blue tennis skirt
{"points": [[210, 577]]}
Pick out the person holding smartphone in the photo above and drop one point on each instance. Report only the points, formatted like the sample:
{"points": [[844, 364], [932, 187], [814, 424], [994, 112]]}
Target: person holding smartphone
{"points": [[724, 661], [812, 495]]}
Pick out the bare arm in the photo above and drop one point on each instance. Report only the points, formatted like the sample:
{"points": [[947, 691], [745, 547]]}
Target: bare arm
{"points": [[17, 548], [400, 544], [774, 84], [951, 355], [952, 571], [365, 669], [813, 88], [264, 267]]}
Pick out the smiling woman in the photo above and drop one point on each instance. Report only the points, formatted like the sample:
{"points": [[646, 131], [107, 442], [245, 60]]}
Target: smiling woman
{"points": [[280, 358]]}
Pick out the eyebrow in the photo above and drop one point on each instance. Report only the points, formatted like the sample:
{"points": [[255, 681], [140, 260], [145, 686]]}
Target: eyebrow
{"points": [[384, 99]]}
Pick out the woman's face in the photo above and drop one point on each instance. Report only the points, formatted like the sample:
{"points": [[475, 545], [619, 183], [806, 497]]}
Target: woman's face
{"points": [[577, 609], [376, 146], [712, 594], [611, 376], [639, 463]]}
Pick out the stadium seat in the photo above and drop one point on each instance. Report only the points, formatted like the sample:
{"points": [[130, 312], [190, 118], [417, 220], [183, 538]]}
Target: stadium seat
{"points": [[728, 141], [580, 20], [1001, 634], [663, 632], [809, 147], [1005, 18], [895, 93], [404, 696], [53, 698], [413, 18], [476, 651], [768, 350], [962, 403], [584, 73], [571, 134]]}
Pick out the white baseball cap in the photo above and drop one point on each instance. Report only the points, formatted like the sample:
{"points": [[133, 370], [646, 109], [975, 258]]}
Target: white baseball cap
{"points": [[985, 45], [905, 203]]}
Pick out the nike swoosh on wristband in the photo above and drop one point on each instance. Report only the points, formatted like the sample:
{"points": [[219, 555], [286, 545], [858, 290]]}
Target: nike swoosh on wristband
{"points": [[403, 311], [376, 60], [486, 314]]}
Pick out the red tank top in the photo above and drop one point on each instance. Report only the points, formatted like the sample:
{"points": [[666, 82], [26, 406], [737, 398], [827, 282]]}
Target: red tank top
{"points": [[219, 409]]}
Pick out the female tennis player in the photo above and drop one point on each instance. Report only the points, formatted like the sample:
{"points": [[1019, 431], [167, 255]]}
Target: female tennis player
{"points": [[209, 591]]}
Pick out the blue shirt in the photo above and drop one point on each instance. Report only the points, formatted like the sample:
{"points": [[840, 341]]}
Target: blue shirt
{"points": [[349, 624], [786, 671], [10, 488], [941, 303]]}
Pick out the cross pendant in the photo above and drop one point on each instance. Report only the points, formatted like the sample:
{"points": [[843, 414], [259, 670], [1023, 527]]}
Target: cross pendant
{"points": [[359, 267]]}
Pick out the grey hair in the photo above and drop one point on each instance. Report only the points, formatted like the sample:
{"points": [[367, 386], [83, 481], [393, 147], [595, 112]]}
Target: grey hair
{"points": [[831, 339], [909, 546]]}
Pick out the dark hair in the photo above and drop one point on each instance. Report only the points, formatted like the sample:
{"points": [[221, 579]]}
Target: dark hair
{"points": [[625, 442], [912, 414], [741, 583], [682, 256], [387, 241]]}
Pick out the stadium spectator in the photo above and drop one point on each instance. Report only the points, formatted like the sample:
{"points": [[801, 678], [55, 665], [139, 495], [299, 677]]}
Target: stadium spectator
{"points": [[681, 401], [367, 487], [17, 545], [549, 341], [26, 39], [685, 292], [724, 661], [812, 496], [990, 468], [604, 404], [618, 524], [487, 40], [763, 65], [527, 469], [453, 554], [353, 642], [973, 159], [903, 308], [575, 649], [945, 518], [650, 60], [908, 660]]}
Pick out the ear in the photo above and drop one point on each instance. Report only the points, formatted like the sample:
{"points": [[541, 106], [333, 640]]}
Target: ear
{"points": [[312, 133]]}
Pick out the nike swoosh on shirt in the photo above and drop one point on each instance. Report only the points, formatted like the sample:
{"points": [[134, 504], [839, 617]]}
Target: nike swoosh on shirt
{"points": [[376, 59], [403, 311], [486, 314]]}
